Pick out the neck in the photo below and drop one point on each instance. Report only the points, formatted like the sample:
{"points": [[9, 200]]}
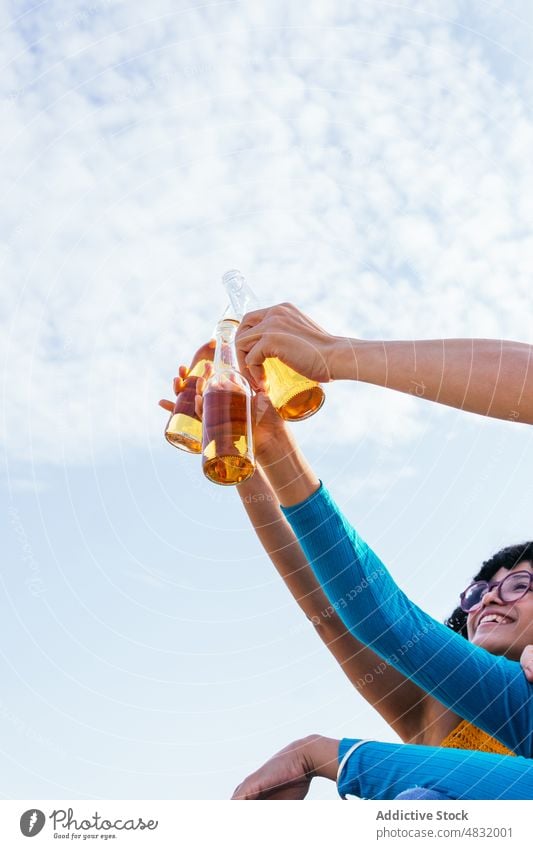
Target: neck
{"points": [[225, 354]]}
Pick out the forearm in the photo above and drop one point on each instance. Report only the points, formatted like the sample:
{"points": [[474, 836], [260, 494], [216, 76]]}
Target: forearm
{"points": [[487, 376], [383, 770], [278, 540], [289, 475]]}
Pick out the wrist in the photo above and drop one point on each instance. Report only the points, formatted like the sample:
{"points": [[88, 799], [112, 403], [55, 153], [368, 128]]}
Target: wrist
{"points": [[322, 756], [342, 358], [275, 448], [351, 359], [287, 472]]}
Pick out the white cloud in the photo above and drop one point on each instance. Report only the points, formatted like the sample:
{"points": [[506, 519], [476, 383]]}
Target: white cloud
{"points": [[367, 162]]}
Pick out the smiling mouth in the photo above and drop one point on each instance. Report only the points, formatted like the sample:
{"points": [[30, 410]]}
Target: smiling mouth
{"points": [[494, 619]]}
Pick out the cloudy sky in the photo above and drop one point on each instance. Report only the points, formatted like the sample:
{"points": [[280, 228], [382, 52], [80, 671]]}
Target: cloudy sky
{"points": [[370, 162]]}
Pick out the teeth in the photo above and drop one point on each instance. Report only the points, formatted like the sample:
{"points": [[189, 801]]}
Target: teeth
{"points": [[493, 617]]}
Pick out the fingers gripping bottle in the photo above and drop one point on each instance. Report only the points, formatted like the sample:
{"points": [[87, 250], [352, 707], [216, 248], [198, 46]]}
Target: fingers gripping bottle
{"points": [[227, 440], [294, 396], [184, 428]]}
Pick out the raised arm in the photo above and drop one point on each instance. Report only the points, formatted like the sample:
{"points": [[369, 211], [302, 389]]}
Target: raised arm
{"points": [[491, 377], [399, 701], [395, 697], [489, 691]]}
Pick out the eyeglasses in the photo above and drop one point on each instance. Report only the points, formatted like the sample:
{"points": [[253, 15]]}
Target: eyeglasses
{"points": [[512, 588]]}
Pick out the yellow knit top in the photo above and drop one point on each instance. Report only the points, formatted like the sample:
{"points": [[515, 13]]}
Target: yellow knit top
{"points": [[467, 736]]}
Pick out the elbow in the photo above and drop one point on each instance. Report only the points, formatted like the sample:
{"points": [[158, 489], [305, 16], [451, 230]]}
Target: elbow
{"points": [[329, 628]]}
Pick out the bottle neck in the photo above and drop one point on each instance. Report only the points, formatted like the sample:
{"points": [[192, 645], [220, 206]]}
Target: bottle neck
{"points": [[241, 295], [225, 353]]}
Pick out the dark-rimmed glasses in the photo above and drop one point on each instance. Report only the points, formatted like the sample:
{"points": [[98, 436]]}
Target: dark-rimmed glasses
{"points": [[512, 588]]}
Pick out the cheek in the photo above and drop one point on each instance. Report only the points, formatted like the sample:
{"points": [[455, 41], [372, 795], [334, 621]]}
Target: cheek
{"points": [[526, 623], [470, 626]]}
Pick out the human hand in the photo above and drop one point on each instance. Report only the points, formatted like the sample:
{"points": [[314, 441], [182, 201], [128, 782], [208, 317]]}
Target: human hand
{"points": [[526, 662], [178, 384], [288, 774], [285, 332], [182, 381]]}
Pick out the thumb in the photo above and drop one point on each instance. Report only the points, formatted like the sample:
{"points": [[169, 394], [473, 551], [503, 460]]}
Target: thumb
{"points": [[526, 661]]}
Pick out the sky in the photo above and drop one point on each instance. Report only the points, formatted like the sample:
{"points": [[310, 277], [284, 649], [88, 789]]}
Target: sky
{"points": [[369, 162]]}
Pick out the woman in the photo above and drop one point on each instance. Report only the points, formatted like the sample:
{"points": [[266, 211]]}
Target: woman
{"points": [[416, 714]]}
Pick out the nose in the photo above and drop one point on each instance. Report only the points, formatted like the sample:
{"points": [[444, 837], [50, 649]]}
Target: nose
{"points": [[491, 596]]}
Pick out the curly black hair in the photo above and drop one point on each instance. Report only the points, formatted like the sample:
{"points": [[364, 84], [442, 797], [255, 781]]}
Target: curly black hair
{"points": [[506, 558]]}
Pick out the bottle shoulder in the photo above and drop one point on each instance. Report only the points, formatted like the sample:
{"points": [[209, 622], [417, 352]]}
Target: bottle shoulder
{"points": [[227, 380]]}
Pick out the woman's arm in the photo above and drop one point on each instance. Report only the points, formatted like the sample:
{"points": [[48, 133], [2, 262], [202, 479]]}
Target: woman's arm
{"points": [[384, 770], [492, 377], [396, 698], [399, 701], [489, 691]]}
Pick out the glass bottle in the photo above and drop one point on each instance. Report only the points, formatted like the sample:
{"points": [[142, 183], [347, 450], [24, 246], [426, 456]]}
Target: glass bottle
{"points": [[184, 428], [227, 440], [294, 396]]}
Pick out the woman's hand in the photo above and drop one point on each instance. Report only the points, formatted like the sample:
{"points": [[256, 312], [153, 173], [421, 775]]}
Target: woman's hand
{"points": [[284, 332], [526, 662], [179, 384], [288, 774]]}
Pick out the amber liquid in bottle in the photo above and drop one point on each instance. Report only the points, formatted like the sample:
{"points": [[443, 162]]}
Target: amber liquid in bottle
{"points": [[184, 428], [294, 396], [227, 436]]}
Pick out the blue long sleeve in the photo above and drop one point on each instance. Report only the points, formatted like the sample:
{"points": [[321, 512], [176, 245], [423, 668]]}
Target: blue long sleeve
{"points": [[487, 690], [383, 770]]}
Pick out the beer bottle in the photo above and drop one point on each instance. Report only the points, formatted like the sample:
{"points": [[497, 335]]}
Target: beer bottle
{"points": [[227, 440]]}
